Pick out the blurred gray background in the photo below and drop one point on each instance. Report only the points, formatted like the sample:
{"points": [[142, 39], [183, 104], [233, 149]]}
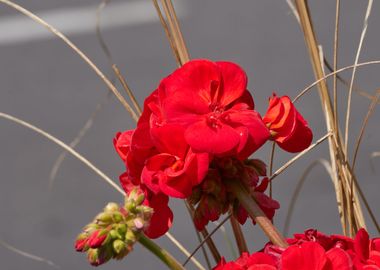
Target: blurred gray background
{"points": [[45, 83]]}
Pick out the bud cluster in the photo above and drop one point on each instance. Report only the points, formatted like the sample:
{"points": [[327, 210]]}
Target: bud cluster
{"points": [[211, 198], [114, 231]]}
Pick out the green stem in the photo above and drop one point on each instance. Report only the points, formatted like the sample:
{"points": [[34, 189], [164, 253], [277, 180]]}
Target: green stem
{"points": [[161, 253], [256, 213]]}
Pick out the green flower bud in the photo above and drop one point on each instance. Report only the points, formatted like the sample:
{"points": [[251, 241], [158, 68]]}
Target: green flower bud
{"points": [[130, 237], [111, 207], [104, 218], [119, 246], [115, 234], [117, 217]]}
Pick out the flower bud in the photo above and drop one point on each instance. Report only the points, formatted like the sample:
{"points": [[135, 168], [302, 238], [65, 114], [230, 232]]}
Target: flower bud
{"points": [[81, 242], [98, 238], [119, 246], [115, 234], [117, 217], [104, 217], [111, 207], [136, 195], [130, 237]]}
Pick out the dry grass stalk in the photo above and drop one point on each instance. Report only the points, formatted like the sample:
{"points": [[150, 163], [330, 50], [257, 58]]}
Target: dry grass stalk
{"points": [[362, 36], [127, 89], [352, 216], [297, 191], [298, 156], [239, 236], [206, 237]]}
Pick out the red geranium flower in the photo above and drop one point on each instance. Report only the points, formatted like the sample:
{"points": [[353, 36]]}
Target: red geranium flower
{"points": [[288, 128], [211, 101], [176, 169], [313, 251]]}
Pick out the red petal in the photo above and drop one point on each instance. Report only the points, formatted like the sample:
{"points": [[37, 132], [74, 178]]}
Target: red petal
{"points": [[170, 139], [299, 140], [362, 245], [338, 259], [189, 89], [122, 143], [162, 216], [307, 256], [234, 82], [204, 138], [261, 258], [256, 130]]}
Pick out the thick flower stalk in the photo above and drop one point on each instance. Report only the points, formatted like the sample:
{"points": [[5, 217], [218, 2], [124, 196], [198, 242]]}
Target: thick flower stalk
{"points": [[313, 250], [114, 231]]}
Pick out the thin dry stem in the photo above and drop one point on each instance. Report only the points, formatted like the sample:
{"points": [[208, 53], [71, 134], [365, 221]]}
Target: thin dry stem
{"points": [[88, 124], [190, 210], [64, 146], [207, 238], [127, 89], [299, 186], [336, 35], [167, 32], [239, 236], [175, 35], [28, 255], [355, 88], [185, 251], [82, 132], [271, 158], [370, 111], [298, 156], [75, 49], [362, 36], [308, 88]]}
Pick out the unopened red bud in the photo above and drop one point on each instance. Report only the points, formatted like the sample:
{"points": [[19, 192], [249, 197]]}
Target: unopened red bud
{"points": [[97, 238], [111, 207], [81, 243]]}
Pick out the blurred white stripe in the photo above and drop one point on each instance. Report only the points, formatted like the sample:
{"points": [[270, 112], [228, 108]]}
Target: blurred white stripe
{"points": [[18, 28]]}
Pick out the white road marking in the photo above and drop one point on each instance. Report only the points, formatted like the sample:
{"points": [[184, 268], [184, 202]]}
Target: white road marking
{"points": [[77, 20]]}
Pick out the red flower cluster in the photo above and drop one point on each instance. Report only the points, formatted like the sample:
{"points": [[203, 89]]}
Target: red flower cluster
{"points": [[200, 113], [313, 251]]}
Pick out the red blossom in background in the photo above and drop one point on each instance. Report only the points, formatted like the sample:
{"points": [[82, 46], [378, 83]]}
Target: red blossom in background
{"points": [[313, 250], [288, 128]]}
